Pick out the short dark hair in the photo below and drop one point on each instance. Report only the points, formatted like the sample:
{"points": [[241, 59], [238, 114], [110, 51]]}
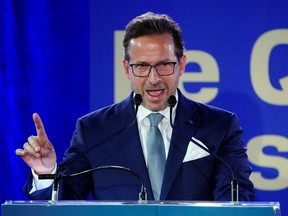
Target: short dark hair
{"points": [[153, 24]]}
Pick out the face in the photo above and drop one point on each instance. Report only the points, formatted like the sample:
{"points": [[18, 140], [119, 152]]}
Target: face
{"points": [[155, 89]]}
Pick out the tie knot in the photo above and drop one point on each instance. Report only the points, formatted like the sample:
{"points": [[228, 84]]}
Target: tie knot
{"points": [[155, 118]]}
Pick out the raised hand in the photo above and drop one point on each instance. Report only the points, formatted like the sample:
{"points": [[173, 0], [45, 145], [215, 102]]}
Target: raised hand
{"points": [[38, 152]]}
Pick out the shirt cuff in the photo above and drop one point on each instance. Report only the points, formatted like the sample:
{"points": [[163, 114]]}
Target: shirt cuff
{"points": [[41, 184]]}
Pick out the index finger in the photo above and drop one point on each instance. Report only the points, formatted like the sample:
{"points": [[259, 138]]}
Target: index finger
{"points": [[39, 125]]}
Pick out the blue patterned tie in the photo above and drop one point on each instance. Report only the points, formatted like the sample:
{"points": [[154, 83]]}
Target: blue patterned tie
{"points": [[156, 154]]}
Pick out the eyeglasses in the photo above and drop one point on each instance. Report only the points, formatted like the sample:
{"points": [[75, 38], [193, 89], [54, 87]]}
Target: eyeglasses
{"points": [[162, 69]]}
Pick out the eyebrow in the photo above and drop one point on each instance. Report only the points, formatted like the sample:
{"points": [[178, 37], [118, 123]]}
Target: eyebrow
{"points": [[143, 62]]}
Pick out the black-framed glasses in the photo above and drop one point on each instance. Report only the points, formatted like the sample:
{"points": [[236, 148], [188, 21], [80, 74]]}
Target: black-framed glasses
{"points": [[162, 68]]}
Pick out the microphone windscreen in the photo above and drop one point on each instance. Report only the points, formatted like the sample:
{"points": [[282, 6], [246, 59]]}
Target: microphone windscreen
{"points": [[137, 99], [172, 101]]}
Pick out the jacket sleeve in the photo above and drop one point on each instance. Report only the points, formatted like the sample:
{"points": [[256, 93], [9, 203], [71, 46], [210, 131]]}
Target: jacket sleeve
{"points": [[43, 194], [232, 151]]}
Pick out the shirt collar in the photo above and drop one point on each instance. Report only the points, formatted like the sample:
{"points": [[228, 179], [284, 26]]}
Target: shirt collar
{"points": [[143, 112]]}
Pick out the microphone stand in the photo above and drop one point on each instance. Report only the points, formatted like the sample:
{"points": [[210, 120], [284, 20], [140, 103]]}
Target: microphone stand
{"points": [[234, 183], [142, 194], [137, 100], [57, 177]]}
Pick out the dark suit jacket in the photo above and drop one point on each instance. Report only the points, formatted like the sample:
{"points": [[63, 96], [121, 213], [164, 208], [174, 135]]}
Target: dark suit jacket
{"points": [[205, 178]]}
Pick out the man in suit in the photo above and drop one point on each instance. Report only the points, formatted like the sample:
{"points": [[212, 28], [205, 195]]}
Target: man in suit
{"points": [[154, 60]]}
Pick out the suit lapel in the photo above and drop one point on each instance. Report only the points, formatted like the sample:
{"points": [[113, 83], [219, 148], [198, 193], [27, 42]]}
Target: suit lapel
{"points": [[135, 158], [186, 121]]}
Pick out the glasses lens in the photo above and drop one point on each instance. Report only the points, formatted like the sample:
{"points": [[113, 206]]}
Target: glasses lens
{"points": [[165, 68], [141, 69]]}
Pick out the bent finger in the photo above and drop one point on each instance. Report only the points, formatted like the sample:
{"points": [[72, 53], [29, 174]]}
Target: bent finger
{"points": [[30, 150], [33, 142]]}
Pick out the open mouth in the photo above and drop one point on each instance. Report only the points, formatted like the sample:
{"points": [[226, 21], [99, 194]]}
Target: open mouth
{"points": [[155, 93]]}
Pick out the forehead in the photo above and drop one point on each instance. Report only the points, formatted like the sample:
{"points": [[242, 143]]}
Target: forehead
{"points": [[152, 46]]}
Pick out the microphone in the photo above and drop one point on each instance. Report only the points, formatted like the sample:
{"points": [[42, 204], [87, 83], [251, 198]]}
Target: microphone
{"points": [[234, 183], [137, 100]]}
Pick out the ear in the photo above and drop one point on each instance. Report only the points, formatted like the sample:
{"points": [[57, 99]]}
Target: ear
{"points": [[126, 67], [183, 64]]}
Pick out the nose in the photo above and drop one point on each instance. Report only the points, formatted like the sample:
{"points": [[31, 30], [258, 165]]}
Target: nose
{"points": [[153, 76]]}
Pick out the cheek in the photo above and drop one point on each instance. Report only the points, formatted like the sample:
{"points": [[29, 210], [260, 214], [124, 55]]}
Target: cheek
{"points": [[130, 76], [173, 83], [137, 83]]}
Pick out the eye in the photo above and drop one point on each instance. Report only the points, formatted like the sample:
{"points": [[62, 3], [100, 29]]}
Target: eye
{"points": [[164, 65], [141, 67]]}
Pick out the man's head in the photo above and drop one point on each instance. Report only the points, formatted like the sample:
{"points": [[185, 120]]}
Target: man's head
{"points": [[154, 59], [153, 24]]}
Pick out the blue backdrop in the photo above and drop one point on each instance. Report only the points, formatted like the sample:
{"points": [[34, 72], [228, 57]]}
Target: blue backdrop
{"points": [[62, 59]]}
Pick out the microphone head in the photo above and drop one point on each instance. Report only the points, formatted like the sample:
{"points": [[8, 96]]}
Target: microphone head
{"points": [[137, 100], [172, 101]]}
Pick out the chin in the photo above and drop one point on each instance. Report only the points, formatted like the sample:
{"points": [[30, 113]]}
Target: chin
{"points": [[156, 107]]}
